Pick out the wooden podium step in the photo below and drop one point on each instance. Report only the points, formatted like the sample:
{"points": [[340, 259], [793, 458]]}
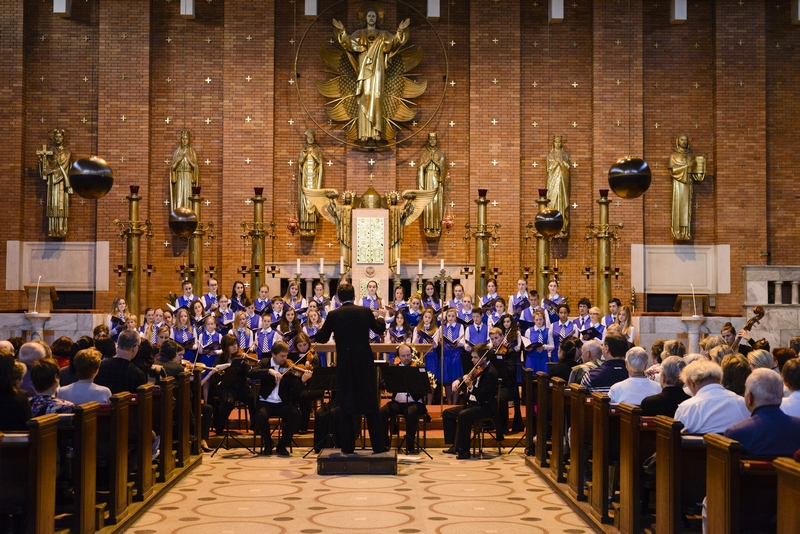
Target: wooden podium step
{"points": [[333, 462]]}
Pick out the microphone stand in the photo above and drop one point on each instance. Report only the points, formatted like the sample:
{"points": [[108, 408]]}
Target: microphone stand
{"points": [[443, 279]]}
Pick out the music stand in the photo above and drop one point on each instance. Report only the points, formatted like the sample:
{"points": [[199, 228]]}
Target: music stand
{"points": [[411, 380], [323, 379], [231, 373]]}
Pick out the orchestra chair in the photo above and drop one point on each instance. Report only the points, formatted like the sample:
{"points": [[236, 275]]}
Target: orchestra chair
{"points": [[483, 426]]}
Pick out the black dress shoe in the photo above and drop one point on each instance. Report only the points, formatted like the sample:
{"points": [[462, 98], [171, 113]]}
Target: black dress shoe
{"points": [[281, 451], [206, 449], [451, 450], [266, 452], [412, 450], [351, 451], [381, 450], [500, 437], [463, 455]]}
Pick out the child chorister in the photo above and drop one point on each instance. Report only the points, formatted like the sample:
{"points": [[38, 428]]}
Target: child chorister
{"points": [[562, 329], [537, 354], [244, 336], [266, 336]]}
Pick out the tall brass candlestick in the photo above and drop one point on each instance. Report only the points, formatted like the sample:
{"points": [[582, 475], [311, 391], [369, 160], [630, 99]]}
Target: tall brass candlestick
{"points": [[481, 236], [543, 271], [133, 229], [604, 233], [257, 259], [195, 274]]}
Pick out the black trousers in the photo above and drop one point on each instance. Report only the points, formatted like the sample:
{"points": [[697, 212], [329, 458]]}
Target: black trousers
{"points": [[347, 431], [227, 399], [286, 411], [410, 411], [457, 422]]}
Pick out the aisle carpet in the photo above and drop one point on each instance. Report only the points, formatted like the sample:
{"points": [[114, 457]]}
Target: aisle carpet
{"points": [[236, 493]]}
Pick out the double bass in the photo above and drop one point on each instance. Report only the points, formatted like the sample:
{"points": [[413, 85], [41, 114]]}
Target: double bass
{"points": [[751, 322]]}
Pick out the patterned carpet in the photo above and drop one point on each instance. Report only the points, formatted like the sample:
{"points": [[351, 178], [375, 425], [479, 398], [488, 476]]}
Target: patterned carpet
{"points": [[239, 493]]}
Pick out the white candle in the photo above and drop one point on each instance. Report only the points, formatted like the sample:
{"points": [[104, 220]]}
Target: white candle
{"points": [[341, 265], [419, 269], [441, 265], [298, 266], [398, 266], [321, 265], [694, 303]]}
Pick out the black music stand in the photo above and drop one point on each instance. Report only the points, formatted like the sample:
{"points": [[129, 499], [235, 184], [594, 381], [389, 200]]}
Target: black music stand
{"points": [[231, 373], [323, 379], [411, 380]]}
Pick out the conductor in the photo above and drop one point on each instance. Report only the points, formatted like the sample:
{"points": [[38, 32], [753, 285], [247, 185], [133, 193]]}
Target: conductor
{"points": [[355, 367]]}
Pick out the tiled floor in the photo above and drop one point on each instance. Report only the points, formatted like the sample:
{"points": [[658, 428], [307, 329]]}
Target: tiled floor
{"points": [[239, 493]]}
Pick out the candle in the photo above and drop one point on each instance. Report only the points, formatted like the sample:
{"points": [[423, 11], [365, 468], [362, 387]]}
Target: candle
{"points": [[398, 266], [298, 266], [441, 265], [694, 304], [321, 265], [341, 265], [419, 268]]}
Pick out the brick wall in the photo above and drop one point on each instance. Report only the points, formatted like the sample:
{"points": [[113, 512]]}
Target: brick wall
{"points": [[609, 81]]}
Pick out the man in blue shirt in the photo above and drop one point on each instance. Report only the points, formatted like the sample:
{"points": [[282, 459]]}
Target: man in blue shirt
{"points": [[613, 370]]}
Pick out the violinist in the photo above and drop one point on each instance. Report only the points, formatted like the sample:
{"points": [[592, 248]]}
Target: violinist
{"points": [[403, 403], [481, 387], [305, 357], [513, 373], [280, 386], [232, 385]]}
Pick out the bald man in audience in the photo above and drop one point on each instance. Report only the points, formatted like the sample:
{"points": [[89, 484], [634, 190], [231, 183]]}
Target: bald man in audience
{"points": [[672, 394], [768, 431], [591, 353], [637, 386], [712, 408], [6, 344], [30, 353]]}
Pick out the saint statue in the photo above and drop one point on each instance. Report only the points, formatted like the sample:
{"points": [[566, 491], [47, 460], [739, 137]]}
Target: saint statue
{"points": [[371, 92], [309, 176], [684, 168], [183, 174], [558, 181], [54, 166], [430, 173]]}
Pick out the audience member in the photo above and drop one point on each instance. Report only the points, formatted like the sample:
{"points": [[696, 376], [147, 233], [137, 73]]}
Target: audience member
{"points": [[794, 344], [708, 343], [30, 353], [87, 364], [791, 377], [781, 355], [615, 345], [100, 330], [591, 352], [761, 359], [719, 352], [735, 371], [44, 376], [637, 386], [17, 342], [106, 346], [566, 360], [118, 373], [16, 410], [712, 408], [672, 393], [68, 375], [768, 431], [62, 350], [656, 349]]}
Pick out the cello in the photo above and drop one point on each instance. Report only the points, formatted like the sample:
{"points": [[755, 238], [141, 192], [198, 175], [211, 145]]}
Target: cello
{"points": [[752, 321]]}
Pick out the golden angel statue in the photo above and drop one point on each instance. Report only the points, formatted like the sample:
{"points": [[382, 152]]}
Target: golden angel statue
{"points": [[325, 202], [684, 168], [401, 215], [184, 172], [371, 90], [54, 166], [309, 174]]}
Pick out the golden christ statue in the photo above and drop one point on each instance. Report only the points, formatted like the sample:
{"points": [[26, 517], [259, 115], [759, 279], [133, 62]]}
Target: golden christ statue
{"points": [[371, 91]]}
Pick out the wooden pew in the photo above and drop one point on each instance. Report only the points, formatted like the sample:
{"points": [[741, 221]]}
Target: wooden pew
{"points": [[727, 474], [605, 449], [78, 431], [558, 429], [788, 488], [543, 417], [637, 443], [162, 424], [28, 474], [112, 455], [182, 416], [581, 418], [140, 430], [680, 473]]}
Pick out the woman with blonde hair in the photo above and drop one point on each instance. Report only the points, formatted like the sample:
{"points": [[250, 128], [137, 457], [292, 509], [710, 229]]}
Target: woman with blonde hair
{"points": [[624, 319]]}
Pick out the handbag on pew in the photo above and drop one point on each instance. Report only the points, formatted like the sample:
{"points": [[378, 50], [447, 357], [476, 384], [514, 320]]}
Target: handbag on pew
{"points": [[649, 465]]}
